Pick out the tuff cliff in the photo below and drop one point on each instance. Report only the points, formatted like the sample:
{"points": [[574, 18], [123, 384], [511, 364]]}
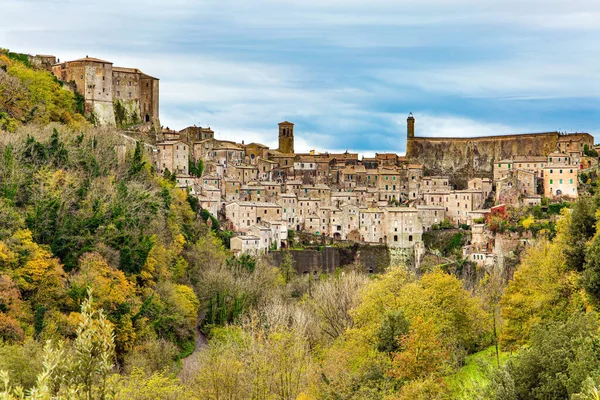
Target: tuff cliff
{"points": [[464, 158]]}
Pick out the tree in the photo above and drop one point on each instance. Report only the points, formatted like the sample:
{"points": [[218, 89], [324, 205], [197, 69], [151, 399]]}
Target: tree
{"points": [[80, 372], [582, 226], [590, 278], [286, 267], [559, 357], [423, 355], [140, 386], [138, 163], [333, 298], [394, 326], [540, 290], [11, 309]]}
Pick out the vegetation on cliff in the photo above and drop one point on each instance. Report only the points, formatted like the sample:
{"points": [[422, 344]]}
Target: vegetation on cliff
{"points": [[31, 96]]}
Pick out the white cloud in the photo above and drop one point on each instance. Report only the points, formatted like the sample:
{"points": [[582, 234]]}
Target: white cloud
{"points": [[430, 125]]}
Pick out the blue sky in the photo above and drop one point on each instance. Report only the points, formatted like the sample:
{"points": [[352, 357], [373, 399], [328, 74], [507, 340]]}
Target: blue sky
{"points": [[346, 72]]}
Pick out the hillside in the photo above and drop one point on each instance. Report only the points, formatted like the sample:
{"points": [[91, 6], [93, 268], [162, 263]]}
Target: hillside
{"points": [[32, 96], [108, 271]]}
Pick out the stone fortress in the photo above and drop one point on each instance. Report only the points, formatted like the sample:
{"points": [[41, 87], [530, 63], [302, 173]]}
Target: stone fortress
{"points": [[464, 158], [112, 96]]}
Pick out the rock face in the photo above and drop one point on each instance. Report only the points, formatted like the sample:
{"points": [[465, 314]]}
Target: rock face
{"points": [[466, 158]]}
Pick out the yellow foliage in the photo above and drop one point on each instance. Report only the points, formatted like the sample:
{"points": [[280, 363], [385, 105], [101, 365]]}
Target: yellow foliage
{"points": [[540, 290], [8, 258], [186, 302], [527, 222], [379, 297], [437, 296], [110, 286], [158, 386], [350, 358], [423, 355], [40, 276]]}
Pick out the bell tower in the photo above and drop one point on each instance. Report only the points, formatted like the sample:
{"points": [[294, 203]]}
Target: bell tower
{"points": [[286, 137]]}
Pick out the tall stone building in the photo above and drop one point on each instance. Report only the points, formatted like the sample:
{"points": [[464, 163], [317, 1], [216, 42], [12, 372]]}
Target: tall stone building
{"points": [[113, 96], [286, 137]]}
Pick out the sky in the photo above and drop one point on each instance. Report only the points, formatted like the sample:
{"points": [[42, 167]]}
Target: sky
{"points": [[346, 72]]}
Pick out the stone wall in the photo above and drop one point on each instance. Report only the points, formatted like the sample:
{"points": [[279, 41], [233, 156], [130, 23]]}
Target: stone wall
{"points": [[463, 159], [374, 259]]}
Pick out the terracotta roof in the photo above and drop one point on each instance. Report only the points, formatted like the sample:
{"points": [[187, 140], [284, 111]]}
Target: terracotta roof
{"points": [[285, 123]]}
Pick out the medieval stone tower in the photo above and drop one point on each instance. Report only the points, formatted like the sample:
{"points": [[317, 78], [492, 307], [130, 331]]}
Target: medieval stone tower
{"points": [[410, 125], [410, 135], [286, 137]]}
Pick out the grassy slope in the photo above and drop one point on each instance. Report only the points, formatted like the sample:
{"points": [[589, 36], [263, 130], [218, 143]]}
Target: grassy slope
{"points": [[474, 374]]}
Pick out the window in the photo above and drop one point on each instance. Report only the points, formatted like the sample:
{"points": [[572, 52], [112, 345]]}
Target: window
{"points": [[571, 181], [551, 181], [560, 181]]}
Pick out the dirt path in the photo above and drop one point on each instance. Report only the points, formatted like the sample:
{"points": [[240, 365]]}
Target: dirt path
{"points": [[189, 363]]}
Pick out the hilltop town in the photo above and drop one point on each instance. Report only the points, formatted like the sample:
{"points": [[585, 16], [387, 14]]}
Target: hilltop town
{"points": [[263, 193]]}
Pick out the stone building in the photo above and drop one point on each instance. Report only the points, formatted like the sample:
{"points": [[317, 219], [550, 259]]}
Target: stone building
{"points": [[344, 221], [370, 225], [515, 186], [456, 203], [246, 244], [174, 156], [435, 184], [483, 184], [288, 203], [402, 227], [560, 177], [430, 215], [535, 164], [112, 95], [222, 152]]}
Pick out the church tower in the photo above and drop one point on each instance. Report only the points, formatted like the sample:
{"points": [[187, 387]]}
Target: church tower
{"points": [[286, 137], [410, 125]]}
